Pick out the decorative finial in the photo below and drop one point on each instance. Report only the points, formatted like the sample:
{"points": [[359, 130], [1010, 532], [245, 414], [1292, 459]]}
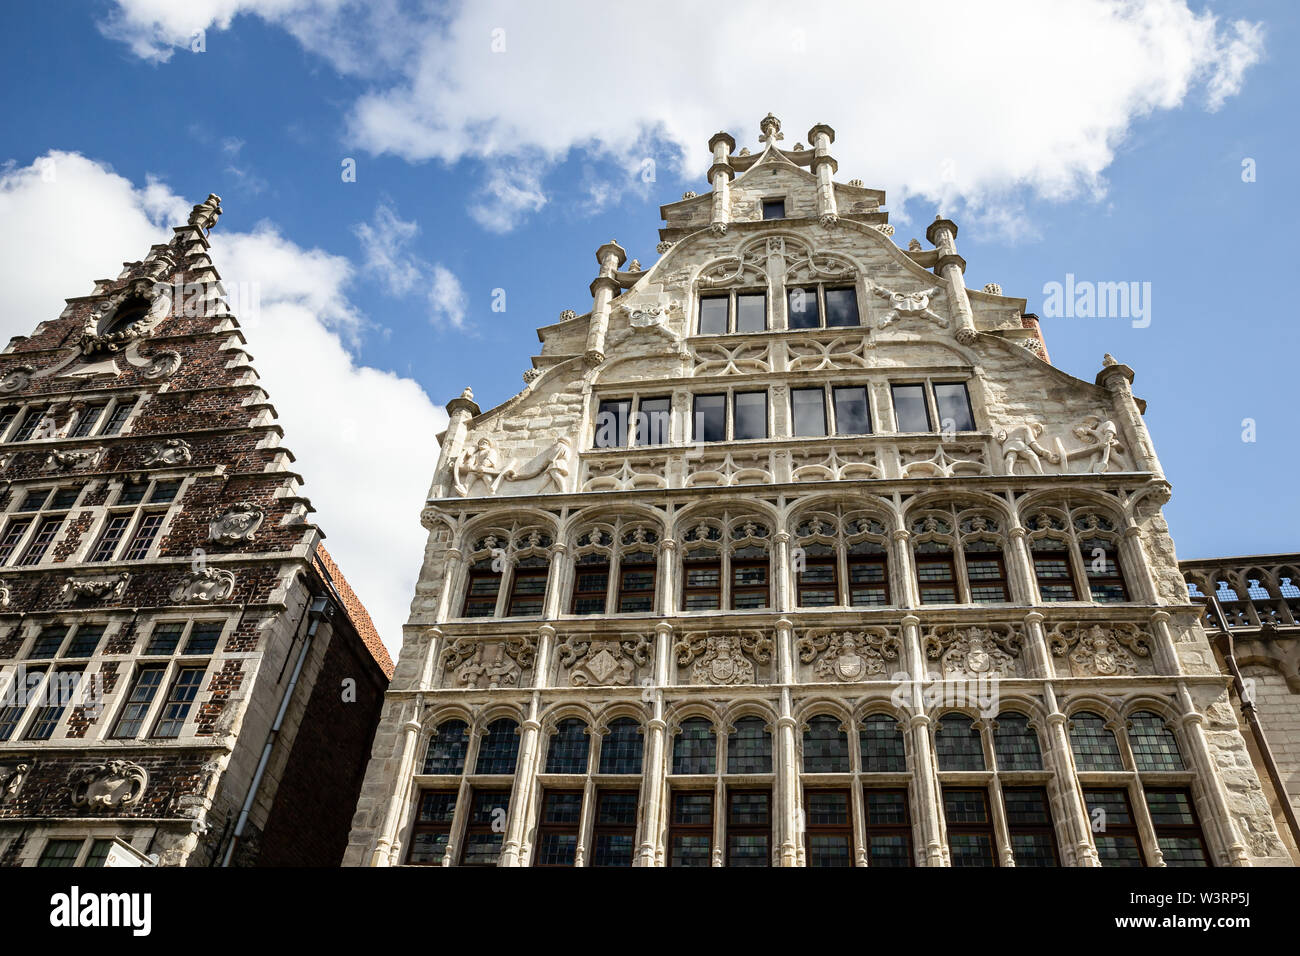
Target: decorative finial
{"points": [[205, 215], [568, 314], [689, 194], [799, 147], [855, 182], [771, 128], [914, 245], [1108, 359], [468, 394], [992, 288], [634, 266]]}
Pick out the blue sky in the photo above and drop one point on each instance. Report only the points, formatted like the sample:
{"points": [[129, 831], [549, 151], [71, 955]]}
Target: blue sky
{"points": [[498, 145]]}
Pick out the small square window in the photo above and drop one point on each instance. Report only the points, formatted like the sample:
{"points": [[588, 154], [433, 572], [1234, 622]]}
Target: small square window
{"points": [[713, 314], [65, 497], [133, 493], [774, 208], [751, 312], [165, 638], [34, 500]]}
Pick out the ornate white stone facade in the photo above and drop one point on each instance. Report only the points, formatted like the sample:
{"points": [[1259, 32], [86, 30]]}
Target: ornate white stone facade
{"points": [[675, 608]]}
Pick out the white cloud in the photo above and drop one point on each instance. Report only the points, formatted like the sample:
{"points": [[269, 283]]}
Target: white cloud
{"points": [[510, 192], [948, 100], [351, 427], [386, 244], [447, 297]]}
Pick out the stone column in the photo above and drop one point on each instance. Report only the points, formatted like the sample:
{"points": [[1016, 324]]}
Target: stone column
{"points": [[1036, 649], [525, 784], [1118, 380], [459, 412], [1135, 560], [1167, 661], [824, 167], [554, 582], [781, 573], [654, 767], [667, 589], [720, 175], [904, 582], [385, 846], [942, 234], [1078, 825], [787, 783], [1193, 722], [928, 798], [603, 289], [1025, 579]]}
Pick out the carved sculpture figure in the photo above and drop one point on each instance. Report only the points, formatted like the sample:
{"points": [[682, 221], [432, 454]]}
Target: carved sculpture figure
{"points": [[477, 463], [169, 451], [239, 523], [1101, 436], [11, 778], [1021, 441]]}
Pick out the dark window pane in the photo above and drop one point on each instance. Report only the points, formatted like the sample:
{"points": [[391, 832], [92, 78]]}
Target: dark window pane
{"points": [[1016, 744], [34, 500], [179, 701], [910, 410], [568, 752], [852, 413], [620, 752], [695, 748], [882, 745], [957, 744], [611, 424], [713, 314], [709, 423], [164, 491], [145, 533], [808, 406], [98, 853], [751, 415], [48, 642], [85, 640], [65, 497], [1154, 746], [825, 746], [773, 208], [500, 747], [652, 421], [1094, 746], [801, 307], [87, 421], [751, 312], [143, 691], [841, 307], [165, 638], [203, 637], [13, 534], [749, 747], [121, 411], [60, 853], [447, 748], [954, 407]]}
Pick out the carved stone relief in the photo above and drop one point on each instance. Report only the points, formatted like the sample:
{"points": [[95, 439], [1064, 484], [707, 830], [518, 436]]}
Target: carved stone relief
{"points": [[722, 659], [597, 662], [239, 523], [974, 651], [489, 665], [170, 451], [206, 586], [16, 378], [842, 352], [117, 783], [1100, 650], [479, 469], [12, 776], [74, 458], [849, 656], [95, 589], [909, 305]]}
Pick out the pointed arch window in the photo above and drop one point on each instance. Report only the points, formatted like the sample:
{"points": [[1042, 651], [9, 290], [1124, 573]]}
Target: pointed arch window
{"points": [[695, 749], [1015, 743], [825, 746], [499, 749], [569, 747], [448, 746], [957, 743], [749, 747], [1154, 746], [1093, 744], [620, 751]]}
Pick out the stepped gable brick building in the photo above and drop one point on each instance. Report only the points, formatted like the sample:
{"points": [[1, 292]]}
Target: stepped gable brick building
{"points": [[185, 676], [795, 551]]}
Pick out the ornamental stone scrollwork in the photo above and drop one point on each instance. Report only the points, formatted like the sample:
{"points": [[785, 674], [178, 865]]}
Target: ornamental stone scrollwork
{"points": [[208, 585], [568, 314], [732, 468], [663, 247], [723, 659], [531, 375], [689, 194], [884, 228], [1100, 650], [94, 335], [115, 784], [489, 665], [238, 523], [992, 288], [849, 656], [856, 182], [749, 268], [4, 594], [170, 451], [624, 474], [480, 467], [73, 458], [162, 364], [1020, 445], [921, 462], [11, 779], [609, 662], [842, 352], [836, 464], [110, 587], [16, 378], [909, 305], [974, 651], [717, 359], [806, 266]]}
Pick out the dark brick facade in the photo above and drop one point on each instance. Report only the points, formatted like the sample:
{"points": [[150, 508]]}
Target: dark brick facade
{"points": [[173, 599]]}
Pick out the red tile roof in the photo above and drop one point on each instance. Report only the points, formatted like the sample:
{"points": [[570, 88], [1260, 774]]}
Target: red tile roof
{"points": [[355, 610]]}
